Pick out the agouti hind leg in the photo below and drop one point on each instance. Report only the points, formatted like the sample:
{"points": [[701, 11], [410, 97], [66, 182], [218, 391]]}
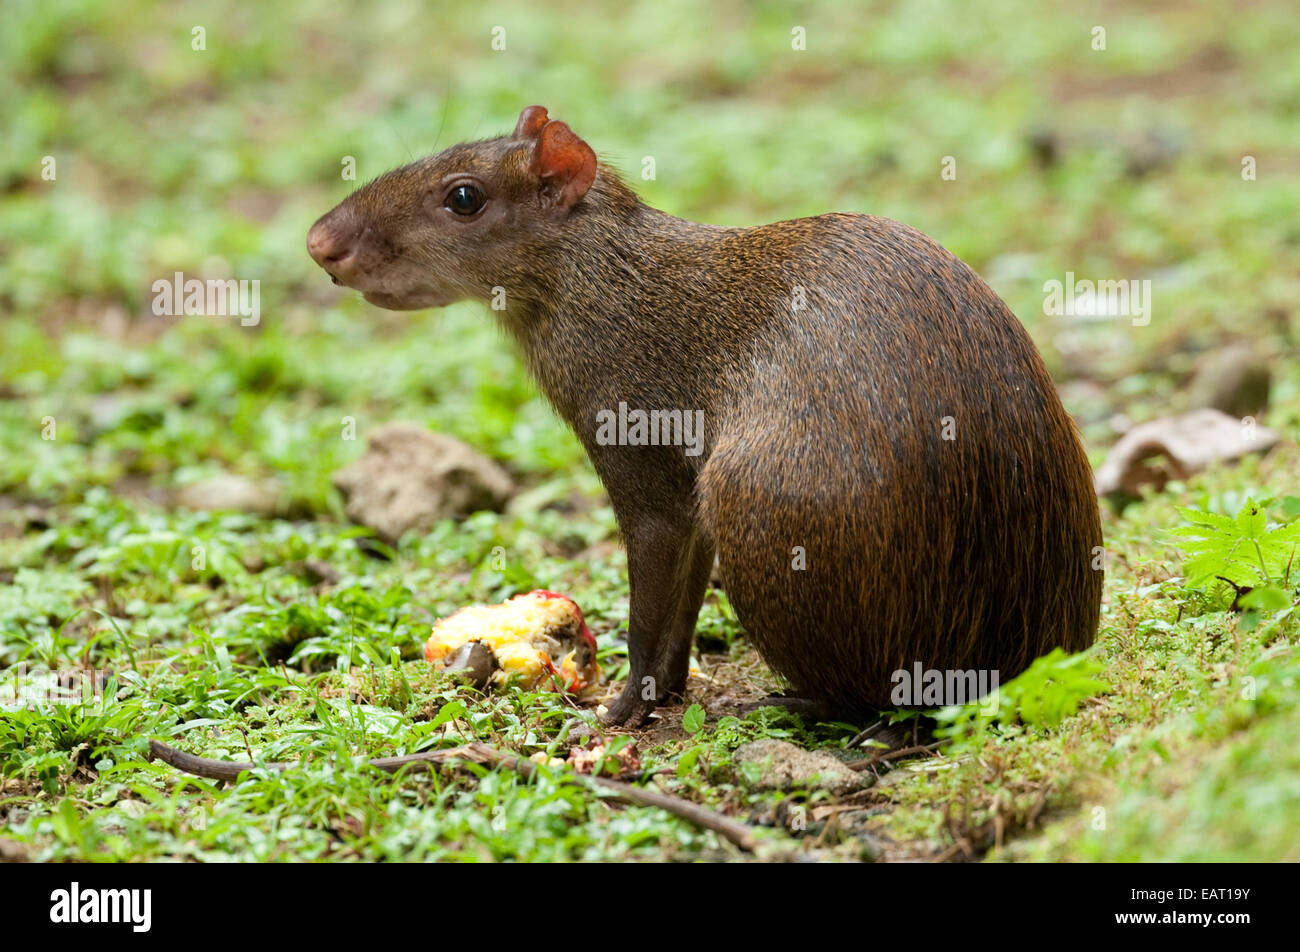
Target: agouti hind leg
{"points": [[668, 570]]}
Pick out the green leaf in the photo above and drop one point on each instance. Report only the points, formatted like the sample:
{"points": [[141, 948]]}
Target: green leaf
{"points": [[1266, 598], [1046, 693], [1244, 549], [686, 763], [693, 719], [448, 713]]}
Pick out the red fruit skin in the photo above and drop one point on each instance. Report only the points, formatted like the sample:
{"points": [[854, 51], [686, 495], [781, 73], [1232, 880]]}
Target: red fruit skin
{"points": [[585, 632]]}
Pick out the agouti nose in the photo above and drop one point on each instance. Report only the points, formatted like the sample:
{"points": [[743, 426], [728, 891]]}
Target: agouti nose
{"points": [[333, 247]]}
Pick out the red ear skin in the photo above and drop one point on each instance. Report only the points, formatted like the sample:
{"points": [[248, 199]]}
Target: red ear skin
{"points": [[531, 122], [565, 164]]}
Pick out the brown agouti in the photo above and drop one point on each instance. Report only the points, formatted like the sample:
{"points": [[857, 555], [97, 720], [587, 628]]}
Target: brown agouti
{"points": [[884, 468]]}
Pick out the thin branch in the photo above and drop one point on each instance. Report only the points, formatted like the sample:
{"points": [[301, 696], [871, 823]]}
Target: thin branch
{"points": [[892, 755], [741, 834]]}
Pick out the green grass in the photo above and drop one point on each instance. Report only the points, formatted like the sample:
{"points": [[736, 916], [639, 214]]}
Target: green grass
{"points": [[210, 631]]}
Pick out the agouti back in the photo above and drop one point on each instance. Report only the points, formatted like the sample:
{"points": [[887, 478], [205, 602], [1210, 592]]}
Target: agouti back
{"points": [[886, 472]]}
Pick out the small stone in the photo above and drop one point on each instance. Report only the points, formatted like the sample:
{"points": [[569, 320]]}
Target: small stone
{"points": [[473, 661], [410, 478], [784, 766], [1151, 454], [1234, 380]]}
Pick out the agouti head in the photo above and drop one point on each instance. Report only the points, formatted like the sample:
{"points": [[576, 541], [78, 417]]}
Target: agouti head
{"points": [[460, 223]]}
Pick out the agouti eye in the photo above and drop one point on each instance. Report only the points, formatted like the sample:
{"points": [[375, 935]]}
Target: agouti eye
{"points": [[465, 200]]}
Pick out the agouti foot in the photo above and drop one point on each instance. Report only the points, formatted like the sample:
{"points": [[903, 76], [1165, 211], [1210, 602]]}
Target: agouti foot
{"points": [[797, 705], [629, 709]]}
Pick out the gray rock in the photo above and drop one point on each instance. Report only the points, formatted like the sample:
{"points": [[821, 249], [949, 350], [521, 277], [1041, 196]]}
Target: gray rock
{"points": [[783, 766], [1234, 380], [1151, 454], [411, 477]]}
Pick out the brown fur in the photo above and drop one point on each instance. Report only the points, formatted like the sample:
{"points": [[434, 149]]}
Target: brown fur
{"points": [[823, 426]]}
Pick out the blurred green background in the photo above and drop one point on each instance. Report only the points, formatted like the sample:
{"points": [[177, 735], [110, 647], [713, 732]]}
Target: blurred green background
{"points": [[1123, 163]]}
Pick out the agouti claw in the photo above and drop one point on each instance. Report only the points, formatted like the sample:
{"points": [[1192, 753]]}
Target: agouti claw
{"points": [[629, 708]]}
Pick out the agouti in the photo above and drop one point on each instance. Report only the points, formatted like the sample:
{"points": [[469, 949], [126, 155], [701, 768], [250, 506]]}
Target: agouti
{"points": [[884, 468]]}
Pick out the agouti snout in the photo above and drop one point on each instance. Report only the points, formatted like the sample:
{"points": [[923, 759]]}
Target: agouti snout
{"points": [[882, 463]]}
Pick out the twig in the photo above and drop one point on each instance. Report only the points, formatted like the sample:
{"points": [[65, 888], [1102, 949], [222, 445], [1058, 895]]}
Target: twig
{"points": [[247, 746], [866, 734], [741, 834], [891, 755]]}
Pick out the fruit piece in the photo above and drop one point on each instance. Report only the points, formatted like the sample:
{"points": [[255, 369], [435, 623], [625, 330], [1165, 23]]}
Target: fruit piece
{"points": [[622, 763], [532, 637]]}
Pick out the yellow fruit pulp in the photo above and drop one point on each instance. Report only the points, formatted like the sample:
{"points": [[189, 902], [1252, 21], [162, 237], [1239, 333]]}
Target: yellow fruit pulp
{"points": [[509, 629]]}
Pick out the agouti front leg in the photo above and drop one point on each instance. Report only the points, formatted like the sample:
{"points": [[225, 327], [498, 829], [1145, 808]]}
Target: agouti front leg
{"points": [[668, 569]]}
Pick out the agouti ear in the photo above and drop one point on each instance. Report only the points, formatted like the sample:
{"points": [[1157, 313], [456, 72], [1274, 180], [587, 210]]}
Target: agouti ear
{"points": [[564, 163], [531, 121]]}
